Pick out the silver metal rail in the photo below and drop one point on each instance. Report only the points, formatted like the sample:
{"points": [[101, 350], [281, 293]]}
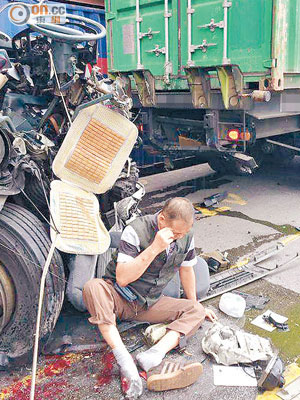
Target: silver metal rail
{"points": [[138, 34], [227, 4], [190, 11], [168, 64]]}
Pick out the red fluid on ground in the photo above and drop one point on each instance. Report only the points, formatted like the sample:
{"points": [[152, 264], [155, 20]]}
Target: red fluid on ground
{"points": [[20, 390], [48, 390], [105, 375], [57, 367]]}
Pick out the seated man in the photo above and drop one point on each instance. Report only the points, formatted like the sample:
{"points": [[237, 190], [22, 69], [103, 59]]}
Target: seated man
{"points": [[152, 249]]}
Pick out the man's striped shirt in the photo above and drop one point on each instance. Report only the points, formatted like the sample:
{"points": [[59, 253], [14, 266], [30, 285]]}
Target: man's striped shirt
{"points": [[129, 248]]}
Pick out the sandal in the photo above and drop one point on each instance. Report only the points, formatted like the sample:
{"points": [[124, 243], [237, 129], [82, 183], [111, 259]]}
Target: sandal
{"points": [[174, 375]]}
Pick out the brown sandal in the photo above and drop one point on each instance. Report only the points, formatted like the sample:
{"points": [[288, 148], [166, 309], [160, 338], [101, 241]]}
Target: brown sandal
{"points": [[174, 376]]}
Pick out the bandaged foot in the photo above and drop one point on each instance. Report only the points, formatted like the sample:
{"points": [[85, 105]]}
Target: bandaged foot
{"points": [[128, 371], [150, 358]]}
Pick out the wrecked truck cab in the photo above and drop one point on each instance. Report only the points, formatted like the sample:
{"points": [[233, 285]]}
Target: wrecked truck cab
{"points": [[47, 77]]}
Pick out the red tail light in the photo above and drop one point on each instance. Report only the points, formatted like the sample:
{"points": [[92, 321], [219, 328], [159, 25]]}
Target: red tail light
{"points": [[235, 135]]}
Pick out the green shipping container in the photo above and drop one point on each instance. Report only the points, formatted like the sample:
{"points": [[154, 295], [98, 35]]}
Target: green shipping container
{"points": [[260, 37]]}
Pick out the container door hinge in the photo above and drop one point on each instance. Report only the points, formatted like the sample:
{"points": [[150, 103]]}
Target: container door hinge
{"points": [[213, 25], [149, 34], [157, 51], [203, 46]]}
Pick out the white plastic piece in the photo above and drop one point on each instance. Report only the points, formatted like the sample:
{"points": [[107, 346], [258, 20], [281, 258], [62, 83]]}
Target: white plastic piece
{"points": [[232, 304]]}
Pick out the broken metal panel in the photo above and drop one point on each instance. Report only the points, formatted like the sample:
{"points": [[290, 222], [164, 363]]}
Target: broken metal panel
{"points": [[126, 83], [145, 84], [259, 266]]}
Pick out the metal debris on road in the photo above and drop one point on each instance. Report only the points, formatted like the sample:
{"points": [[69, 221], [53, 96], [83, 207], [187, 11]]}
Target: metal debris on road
{"points": [[212, 200], [231, 346], [253, 270], [216, 260], [263, 321], [257, 302]]}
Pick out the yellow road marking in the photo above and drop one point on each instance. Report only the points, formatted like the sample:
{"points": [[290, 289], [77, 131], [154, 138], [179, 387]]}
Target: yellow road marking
{"points": [[235, 199], [290, 238], [240, 263], [211, 213]]}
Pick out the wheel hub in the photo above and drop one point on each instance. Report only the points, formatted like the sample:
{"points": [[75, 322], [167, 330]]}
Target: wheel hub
{"points": [[7, 298]]}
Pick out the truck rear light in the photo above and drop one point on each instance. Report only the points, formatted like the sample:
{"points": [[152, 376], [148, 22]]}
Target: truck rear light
{"points": [[245, 135], [235, 135]]}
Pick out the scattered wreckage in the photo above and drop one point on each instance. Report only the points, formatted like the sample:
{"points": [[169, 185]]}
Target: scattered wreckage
{"points": [[49, 88], [232, 346]]}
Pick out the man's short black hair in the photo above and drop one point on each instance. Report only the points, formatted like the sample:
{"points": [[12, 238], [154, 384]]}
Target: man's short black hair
{"points": [[179, 208]]}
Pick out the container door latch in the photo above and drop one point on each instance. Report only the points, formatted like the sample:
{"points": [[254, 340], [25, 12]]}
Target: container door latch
{"points": [[213, 25], [203, 46], [157, 51]]}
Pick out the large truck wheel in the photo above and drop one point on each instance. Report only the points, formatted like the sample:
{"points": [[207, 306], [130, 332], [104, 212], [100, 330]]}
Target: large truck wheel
{"points": [[24, 246], [218, 164], [266, 153], [34, 190], [281, 156], [227, 166]]}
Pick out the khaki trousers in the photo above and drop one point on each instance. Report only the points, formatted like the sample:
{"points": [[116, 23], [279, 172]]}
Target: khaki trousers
{"points": [[106, 305]]}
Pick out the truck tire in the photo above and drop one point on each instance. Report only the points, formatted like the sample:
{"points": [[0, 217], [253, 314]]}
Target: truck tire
{"points": [[24, 246], [226, 166], [218, 164], [34, 190], [265, 154], [281, 157]]}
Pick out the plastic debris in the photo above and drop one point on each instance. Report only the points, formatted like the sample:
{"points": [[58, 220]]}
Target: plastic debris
{"points": [[231, 346], [257, 302], [232, 304]]}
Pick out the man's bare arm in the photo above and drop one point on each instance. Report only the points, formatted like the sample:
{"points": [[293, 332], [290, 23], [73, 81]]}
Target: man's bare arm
{"points": [[131, 271], [188, 281]]}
